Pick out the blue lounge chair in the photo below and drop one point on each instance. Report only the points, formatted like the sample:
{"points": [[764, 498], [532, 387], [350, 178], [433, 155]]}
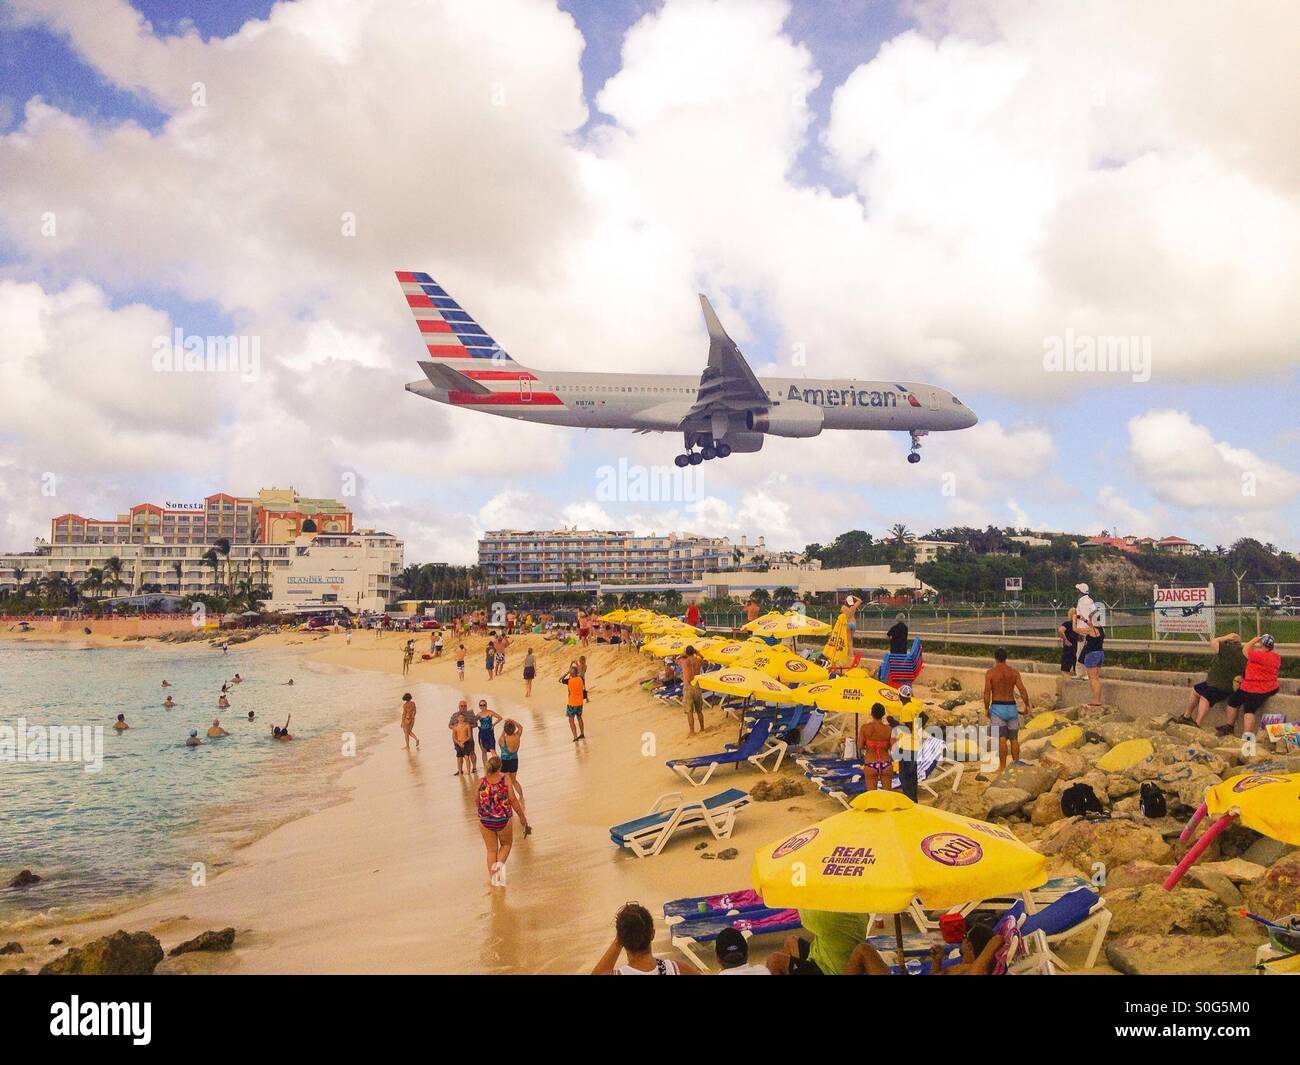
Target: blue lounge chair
{"points": [[697, 771], [687, 936], [688, 909], [646, 836], [1081, 910]]}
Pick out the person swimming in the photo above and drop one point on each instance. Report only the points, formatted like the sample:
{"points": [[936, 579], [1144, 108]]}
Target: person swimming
{"points": [[251, 715], [166, 683], [282, 733], [168, 703], [216, 729], [236, 679], [120, 724], [222, 702], [193, 739]]}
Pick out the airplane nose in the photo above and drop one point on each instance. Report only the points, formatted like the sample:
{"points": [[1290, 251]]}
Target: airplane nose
{"points": [[970, 419]]}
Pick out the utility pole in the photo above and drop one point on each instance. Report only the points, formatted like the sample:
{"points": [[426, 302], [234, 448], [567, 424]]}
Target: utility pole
{"points": [[1239, 577]]}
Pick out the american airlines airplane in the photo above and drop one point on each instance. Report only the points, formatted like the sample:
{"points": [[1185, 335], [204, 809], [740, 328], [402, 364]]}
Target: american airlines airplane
{"points": [[726, 409]]}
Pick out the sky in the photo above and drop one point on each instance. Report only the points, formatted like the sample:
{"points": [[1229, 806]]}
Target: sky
{"points": [[917, 190]]}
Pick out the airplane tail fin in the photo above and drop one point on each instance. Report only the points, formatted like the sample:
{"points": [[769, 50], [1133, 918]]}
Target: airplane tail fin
{"points": [[448, 330]]}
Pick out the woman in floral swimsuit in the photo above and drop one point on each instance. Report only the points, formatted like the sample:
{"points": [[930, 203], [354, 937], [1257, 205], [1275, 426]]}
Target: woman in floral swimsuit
{"points": [[496, 805]]}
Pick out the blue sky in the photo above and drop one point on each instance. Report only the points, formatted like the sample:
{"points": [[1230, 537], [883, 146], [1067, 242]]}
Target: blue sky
{"points": [[1245, 404]]}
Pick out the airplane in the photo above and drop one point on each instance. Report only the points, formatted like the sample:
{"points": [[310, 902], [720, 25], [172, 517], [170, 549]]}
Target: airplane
{"points": [[724, 411]]}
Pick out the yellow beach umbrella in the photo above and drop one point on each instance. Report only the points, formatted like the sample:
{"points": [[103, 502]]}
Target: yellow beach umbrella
{"points": [[663, 646], [856, 695], [726, 652], [788, 666], [1266, 802], [614, 616], [745, 681], [783, 625], [885, 851]]}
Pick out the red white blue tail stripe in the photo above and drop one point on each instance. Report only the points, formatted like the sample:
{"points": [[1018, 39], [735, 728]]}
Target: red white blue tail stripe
{"points": [[452, 336]]}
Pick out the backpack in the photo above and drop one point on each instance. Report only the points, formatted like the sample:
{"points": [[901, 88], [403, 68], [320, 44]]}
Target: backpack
{"points": [[1079, 800], [1152, 800]]}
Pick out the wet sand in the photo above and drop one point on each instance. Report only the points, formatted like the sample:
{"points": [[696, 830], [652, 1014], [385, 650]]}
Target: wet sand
{"points": [[395, 879]]}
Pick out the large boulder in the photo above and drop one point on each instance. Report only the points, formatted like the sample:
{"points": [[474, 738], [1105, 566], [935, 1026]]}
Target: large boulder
{"points": [[1046, 808], [1111, 842], [1277, 892], [1067, 763], [1137, 874], [1143, 954], [1033, 779], [1115, 731], [968, 801], [1226, 891], [1238, 870], [1265, 851], [121, 954], [1150, 908]]}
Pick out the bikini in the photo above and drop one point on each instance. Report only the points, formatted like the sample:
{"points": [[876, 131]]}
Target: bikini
{"points": [[883, 759]]}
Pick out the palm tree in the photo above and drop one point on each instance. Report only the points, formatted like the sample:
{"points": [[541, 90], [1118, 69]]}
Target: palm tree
{"points": [[900, 533], [113, 573], [222, 547], [262, 566], [179, 570], [94, 581], [18, 573], [211, 558]]}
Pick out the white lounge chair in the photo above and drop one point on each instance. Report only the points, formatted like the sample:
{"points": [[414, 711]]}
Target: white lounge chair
{"points": [[646, 836]]}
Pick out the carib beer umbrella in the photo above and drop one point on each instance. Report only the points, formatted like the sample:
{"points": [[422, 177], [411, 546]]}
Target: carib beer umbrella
{"points": [[885, 851], [1267, 802]]}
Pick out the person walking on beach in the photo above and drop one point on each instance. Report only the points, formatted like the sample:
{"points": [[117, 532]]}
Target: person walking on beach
{"points": [[408, 723], [408, 654], [692, 697], [512, 734], [487, 738], [347, 637], [496, 805], [875, 741], [530, 671], [1263, 664], [634, 933], [577, 695], [500, 656], [490, 657], [1002, 684], [1226, 668], [437, 645], [225, 647], [460, 662]]}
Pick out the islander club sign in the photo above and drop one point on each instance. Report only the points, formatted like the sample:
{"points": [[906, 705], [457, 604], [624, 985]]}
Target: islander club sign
{"points": [[1182, 611]]}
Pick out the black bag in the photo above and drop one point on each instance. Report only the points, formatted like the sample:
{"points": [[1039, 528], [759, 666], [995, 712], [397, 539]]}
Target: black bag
{"points": [[1079, 800], [1152, 800]]}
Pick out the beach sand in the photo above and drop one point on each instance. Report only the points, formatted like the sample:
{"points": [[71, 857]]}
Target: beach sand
{"points": [[394, 880]]}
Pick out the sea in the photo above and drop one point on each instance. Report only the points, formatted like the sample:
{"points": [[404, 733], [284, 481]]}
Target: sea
{"points": [[152, 813]]}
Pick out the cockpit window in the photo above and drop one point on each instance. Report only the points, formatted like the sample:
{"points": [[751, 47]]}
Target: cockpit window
{"points": [[956, 400]]}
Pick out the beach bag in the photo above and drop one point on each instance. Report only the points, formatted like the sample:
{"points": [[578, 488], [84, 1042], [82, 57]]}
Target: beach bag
{"points": [[1152, 800], [1079, 800]]}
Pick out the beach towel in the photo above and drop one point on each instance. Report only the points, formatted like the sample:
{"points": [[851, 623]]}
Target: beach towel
{"points": [[734, 900], [773, 920]]}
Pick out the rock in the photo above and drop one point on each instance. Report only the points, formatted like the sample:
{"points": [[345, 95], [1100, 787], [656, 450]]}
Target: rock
{"points": [[1068, 764], [725, 855], [1137, 874], [968, 802], [1046, 808], [1125, 754], [1150, 908], [12, 948], [1034, 749], [1265, 851], [1120, 786], [701, 846], [121, 954], [1115, 731], [1034, 779], [952, 684], [1141, 954], [1277, 892], [1238, 870], [1223, 888], [14, 972], [1003, 802], [223, 940], [25, 879], [773, 790], [950, 704], [1111, 842], [707, 856]]}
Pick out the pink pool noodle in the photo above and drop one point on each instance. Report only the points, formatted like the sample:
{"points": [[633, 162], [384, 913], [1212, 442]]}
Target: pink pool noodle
{"points": [[1196, 849], [1191, 825]]}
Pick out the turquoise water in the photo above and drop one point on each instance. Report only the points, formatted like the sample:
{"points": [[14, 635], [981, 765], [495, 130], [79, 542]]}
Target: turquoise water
{"points": [[157, 807]]}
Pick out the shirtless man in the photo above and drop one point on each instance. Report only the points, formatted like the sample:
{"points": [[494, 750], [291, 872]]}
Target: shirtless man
{"points": [[692, 696], [120, 724], [1001, 686], [462, 739], [408, 723], [216, 730]]}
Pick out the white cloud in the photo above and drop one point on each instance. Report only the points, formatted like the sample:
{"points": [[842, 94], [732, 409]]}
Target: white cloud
{"points": [[1183, 465]]}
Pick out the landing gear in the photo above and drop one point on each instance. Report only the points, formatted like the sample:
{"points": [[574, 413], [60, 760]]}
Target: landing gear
{"points": [[710, 449], [915, 456]]}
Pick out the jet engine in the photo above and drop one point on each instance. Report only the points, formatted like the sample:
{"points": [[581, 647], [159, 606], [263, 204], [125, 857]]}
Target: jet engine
{"points": [[744, 443], [788, 419]]}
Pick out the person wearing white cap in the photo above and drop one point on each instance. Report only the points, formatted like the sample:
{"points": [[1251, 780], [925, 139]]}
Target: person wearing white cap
{"points": [[1083, 611]]}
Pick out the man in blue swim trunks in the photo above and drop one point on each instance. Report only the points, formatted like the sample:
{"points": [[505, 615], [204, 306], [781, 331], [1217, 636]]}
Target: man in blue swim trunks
{"points": [[1001, 686]]}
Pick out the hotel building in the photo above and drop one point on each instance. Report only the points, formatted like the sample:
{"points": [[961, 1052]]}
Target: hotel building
{"points": [[577, 558]]}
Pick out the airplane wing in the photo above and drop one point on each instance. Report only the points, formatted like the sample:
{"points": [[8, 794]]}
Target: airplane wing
{"points": [[727, 385]]}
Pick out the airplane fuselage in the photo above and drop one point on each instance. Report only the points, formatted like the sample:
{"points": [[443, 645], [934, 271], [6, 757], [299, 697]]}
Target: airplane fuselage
{"points": [[659, 401]]}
